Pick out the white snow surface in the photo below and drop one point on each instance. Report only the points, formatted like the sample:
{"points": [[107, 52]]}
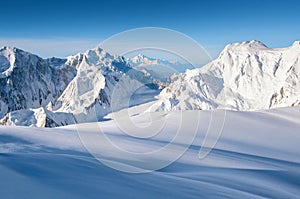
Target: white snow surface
{"points": [[257, 156], [246, 76]]}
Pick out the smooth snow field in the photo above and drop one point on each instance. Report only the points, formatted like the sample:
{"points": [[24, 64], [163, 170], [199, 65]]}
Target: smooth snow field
{"points": [[256, 156]]}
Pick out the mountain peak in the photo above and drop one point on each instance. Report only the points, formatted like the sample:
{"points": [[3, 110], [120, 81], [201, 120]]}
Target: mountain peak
{"points": [[11, 51], [96, 53], [98, 49], [11, 48], [141, 58], [7, 59], [244, 47], [8, 49], [247, 45]]}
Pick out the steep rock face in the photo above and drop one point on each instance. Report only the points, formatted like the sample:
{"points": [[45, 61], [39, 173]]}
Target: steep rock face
{"points": [[28, 81], [246, 76]]}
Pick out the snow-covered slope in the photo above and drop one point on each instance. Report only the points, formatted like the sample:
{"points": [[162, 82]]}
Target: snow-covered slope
{"points": [[246, 76], [257, 156]]}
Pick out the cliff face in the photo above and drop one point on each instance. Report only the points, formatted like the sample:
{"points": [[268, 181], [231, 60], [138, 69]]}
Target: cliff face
{"points": [[28, 81]]}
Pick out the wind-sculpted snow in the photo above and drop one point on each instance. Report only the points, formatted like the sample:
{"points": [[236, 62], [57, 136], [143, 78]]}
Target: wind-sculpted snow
{"points": [[246, 76], [257, 156]]}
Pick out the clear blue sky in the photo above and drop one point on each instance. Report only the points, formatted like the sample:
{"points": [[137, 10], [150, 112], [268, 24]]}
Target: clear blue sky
{"points": [[81, 24]]}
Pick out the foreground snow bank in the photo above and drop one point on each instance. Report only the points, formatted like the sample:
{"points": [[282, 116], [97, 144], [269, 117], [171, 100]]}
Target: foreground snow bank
{"points": [[257, 156]]}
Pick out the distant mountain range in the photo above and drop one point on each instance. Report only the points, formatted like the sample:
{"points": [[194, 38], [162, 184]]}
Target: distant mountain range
{"points": [[160, 69], [53, 92]]}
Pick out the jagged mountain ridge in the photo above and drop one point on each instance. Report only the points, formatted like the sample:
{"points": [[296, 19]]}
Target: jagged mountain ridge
{"points": [[98, 73], [73, 85], [246, 76]]}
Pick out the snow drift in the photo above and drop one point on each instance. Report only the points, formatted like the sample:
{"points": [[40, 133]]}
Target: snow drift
{"points": [[257, 156]]}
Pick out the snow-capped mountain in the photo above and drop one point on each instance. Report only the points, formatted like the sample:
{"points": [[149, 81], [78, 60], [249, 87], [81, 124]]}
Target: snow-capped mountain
{"points": [[160, 69], [141, 59], [246, 76], [91, 89], [52, 92], [44, 92]]}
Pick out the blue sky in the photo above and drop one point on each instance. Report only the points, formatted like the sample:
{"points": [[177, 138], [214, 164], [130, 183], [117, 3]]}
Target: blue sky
{"points": [[60, 28]]}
